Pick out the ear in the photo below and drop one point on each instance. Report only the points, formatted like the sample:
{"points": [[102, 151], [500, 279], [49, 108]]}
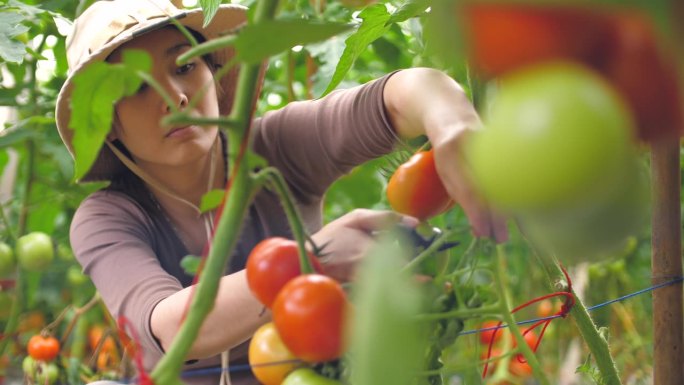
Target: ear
{"points": [[116, 126]]}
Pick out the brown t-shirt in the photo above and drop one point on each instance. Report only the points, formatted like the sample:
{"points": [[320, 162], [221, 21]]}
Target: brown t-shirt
{"points": [[131, 252]]}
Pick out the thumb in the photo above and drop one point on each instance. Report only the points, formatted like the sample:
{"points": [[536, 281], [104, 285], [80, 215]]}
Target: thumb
{"points": [[373, 220]]}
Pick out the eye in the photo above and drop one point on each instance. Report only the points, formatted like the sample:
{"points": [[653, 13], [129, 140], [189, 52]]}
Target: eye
{"points": [[185, 68], [143, 87]]}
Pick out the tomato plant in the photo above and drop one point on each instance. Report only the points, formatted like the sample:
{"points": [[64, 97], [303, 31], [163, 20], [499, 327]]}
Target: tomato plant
{"points": [[309, 313], [415, 188], [35, 251], [307, 376], [269, 358], [560, 133], [271, 264], [43, 348], [7, 261]]}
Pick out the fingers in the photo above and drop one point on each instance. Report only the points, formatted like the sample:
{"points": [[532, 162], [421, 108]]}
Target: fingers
{"points": [[373, 220]]}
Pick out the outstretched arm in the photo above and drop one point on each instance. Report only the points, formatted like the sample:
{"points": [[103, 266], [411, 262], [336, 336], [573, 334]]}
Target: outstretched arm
{"points": [[427, 101]]}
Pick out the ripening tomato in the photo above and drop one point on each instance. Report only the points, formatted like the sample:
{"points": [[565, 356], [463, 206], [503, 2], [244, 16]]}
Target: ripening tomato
{"points": [[487, 335], [530, 339], [309, 315], [271, 264], [95, 334], [43, 348], [415, 188], [269, 358], [556, 133], [505, 37], [519, 367]]}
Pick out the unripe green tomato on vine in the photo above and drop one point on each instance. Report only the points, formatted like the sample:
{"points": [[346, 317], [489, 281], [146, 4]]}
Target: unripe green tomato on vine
{"points": [[7, 260], [35, 251], [555, 133]]}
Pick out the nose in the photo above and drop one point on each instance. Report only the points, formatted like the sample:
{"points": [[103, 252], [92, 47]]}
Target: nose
{"points": [[177, 97]]}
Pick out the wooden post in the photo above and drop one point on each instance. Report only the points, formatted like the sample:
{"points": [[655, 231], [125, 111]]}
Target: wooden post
{"points": [[666, 260]]}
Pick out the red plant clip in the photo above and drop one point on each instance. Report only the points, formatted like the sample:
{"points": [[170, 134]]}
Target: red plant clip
{"points": [[123, 323], [562, 313]]}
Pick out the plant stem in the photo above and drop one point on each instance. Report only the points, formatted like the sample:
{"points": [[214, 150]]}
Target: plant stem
{"points": [[598, 346], [168, 370], [15, 311], [298, 231], [539, 374]]}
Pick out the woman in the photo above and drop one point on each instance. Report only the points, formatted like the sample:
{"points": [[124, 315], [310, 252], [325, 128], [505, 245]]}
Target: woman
{"points": [[130, 236]]}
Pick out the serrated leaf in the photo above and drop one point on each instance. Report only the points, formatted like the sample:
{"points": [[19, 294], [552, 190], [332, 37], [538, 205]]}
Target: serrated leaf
{"points": [[211, 200], [374, 25], [209, 8], [409, 9], [255, 161], [11, 25], [15, 136], [190, 264], [96, 90], [261, 41]]}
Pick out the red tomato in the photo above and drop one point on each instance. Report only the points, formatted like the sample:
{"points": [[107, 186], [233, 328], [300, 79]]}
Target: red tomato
{"points": [[415, 188], [518, 368], [530, 338], [309, 313], [487, 335], [504, 37], [271, 264], [646, 75], [43, 348], [622, 45], [266, 347]]}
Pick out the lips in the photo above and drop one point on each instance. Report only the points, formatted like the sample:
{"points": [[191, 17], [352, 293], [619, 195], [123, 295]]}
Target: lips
{"points": [[178, 131]]}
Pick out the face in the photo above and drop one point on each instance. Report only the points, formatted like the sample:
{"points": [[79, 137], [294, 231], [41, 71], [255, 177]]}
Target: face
{"points": [[138, 117]]}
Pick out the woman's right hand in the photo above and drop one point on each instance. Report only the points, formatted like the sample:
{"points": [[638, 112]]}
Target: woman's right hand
{"points": [[346, 240]]}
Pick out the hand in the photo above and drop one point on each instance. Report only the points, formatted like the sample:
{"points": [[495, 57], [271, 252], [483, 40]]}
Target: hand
{"points": [[348, 239], [427, 101]]}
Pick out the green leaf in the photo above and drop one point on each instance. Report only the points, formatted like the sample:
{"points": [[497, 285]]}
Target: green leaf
{"points": [[191, 264], [96, 90], [388, 342], [11, 25], [14, 135], [210, 7], [211, 200], [409, 9], [374, 25], [261, 41]]}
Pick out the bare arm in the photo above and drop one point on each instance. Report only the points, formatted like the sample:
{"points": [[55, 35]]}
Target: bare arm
{"points": [[427, 101], [233, 320]]}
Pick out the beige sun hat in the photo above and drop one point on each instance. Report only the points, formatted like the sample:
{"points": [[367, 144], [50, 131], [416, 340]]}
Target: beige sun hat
{"points": [[106, 25]]}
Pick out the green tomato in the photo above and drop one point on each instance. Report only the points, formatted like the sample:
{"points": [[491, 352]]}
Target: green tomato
{"points": [[555, 132], [307, 376], [47, 373], [35, 251], [598, 227], [29, 366], [76, 277], [7, 261]]}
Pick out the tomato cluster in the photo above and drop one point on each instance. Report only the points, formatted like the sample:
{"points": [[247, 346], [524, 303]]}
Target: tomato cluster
{"points": [[495, 338], [308, 314]]}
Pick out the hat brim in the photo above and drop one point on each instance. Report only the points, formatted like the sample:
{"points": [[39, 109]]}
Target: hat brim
{"points": [[228, 18]]}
